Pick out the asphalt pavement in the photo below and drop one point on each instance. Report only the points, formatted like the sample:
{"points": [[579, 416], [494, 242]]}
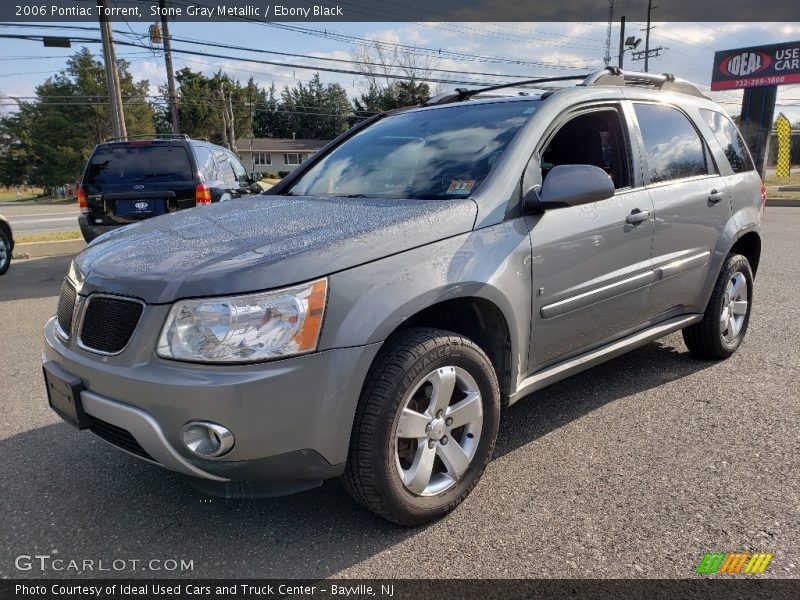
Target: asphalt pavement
{"points": [[635, 468], [30, 217]]}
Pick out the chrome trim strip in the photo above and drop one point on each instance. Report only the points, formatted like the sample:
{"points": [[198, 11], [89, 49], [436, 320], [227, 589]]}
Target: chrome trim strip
{"points": [[684, 264], [590, 359], [82, 316], [60, 332], [145, 430], [605, 292]]}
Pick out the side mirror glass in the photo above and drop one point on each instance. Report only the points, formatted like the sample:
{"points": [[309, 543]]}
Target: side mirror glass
{"points": [[256, 177], [570, 185]]}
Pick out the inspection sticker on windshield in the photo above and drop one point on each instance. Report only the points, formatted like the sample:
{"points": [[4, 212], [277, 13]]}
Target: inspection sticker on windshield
{"points": [[461, 186]]}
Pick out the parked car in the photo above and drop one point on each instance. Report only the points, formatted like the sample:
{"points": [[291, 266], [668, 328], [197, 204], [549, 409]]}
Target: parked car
{"points": [[128, 180], [6, 244], [373, 315]]}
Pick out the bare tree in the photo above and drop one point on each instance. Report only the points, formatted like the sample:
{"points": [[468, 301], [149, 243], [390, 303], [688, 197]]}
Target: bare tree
{"points": [[378, 62]]}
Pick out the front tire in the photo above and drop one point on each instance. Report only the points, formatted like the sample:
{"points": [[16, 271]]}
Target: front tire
{"points": [[425, 426], [727, 315], [5, 252]]}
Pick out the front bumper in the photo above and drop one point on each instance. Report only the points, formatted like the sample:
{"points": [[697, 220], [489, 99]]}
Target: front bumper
{"points": [[291, 418]]}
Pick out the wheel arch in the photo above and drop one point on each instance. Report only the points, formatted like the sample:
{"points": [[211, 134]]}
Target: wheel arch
{"points": [[478, 319], [749, 246]]}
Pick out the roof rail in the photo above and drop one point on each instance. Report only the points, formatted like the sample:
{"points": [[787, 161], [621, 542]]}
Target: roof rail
{"points": [[664, 82], [164, 136]]}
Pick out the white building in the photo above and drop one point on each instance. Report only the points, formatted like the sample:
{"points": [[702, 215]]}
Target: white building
{"points": [[271, 155]]}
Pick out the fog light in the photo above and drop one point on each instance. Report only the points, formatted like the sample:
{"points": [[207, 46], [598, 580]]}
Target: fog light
{"points": [[207, 439]]}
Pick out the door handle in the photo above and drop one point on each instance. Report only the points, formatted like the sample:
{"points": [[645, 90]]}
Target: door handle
{"points": [[637, 216], [715, 196]]}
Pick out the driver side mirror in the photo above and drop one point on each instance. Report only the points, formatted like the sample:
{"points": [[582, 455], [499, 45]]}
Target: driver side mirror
{"points": [[569, 185], [256, 177]]}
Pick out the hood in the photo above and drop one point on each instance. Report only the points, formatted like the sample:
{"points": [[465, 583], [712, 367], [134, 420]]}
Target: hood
{"points": [[260, 243]]}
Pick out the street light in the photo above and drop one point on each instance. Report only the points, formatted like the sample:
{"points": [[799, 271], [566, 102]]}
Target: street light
{"points": [[631, 43]]}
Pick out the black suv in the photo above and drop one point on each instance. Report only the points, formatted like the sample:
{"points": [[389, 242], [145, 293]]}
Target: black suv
{"points": [[128, 180]]}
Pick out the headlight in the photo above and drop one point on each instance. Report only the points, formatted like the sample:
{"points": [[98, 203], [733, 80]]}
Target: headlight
{"points": [[245, 328]]}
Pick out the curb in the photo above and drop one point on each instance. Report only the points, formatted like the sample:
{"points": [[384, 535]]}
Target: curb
{"points": [[778, 202], [55, 248]]}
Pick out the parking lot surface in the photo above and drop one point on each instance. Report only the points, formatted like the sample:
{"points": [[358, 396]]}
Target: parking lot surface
{"points": [[635, 468]]}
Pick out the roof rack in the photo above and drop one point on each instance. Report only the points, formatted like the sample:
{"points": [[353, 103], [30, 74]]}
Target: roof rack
{"points": [[664, 82], [606, 76], [164, 136], [465, 94]]}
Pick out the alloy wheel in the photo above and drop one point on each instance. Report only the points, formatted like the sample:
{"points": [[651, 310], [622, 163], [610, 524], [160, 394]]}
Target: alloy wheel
{"points": [[438, 431], [734, 308]]}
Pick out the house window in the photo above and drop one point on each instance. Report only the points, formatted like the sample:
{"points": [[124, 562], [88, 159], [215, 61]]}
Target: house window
{"points": [[262, 158], [293, 159]]}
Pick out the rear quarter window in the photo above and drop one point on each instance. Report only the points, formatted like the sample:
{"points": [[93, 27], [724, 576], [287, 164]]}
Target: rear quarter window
{"points": [[732, 142], [137, 164]]}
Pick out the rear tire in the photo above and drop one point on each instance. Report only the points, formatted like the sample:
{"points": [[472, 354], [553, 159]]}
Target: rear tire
{"points": [[425, 426], [727, 315]]}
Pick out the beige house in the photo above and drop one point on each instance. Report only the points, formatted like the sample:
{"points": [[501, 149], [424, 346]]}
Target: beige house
{"points": [[271, 155]]}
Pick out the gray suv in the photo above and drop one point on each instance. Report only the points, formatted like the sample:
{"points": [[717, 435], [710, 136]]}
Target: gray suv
{"points": [[371, 316]]}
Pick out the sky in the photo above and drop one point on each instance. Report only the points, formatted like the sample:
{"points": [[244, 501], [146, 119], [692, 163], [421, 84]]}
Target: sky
{"points": [[524, 49]]}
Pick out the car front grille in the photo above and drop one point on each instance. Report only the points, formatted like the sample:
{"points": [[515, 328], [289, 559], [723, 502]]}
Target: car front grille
{"points": [[119, 437], [66, 304], [108, 323]]}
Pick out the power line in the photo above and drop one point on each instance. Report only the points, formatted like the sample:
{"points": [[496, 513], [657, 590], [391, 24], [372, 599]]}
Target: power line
{"points": [[37, 38], [340, 60]]}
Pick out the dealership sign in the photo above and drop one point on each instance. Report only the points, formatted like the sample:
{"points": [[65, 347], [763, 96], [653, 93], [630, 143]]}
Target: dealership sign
{"points": [[777, 64]]}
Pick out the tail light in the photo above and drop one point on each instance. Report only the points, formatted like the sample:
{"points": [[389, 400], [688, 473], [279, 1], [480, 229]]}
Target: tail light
{"points": [[83, 206], [763, 196], [202, 195]]}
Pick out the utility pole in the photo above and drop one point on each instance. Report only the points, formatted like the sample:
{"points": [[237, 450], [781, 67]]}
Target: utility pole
{"points": [[621, 40], [647, 36], [607, 57], [173, 95], [112, 76]]}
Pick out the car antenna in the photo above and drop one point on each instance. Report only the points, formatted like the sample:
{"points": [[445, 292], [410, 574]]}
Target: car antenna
{"points": [[461, 94]]}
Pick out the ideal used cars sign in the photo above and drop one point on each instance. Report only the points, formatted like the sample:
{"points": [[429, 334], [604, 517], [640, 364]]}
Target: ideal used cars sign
{"points": [[777, 64]]}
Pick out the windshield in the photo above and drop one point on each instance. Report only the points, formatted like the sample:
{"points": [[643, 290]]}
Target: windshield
{"points": [[136, 164], [442, 153]]}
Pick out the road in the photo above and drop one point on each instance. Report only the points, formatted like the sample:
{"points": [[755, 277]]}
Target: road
{"points": [[27, 217], [635, 468]]}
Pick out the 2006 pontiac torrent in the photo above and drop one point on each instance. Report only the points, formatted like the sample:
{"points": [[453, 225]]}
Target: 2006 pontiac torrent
{"points": [[371, 316]]}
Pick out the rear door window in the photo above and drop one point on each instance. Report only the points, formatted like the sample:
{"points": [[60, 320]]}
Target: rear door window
{"points": [[137, 164], [238, 169], [205, 163], [673, 147], [225, 168], [730, 139]]}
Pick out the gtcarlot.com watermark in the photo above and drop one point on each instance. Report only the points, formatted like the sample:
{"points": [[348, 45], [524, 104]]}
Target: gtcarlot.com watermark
{"points": [[46, 563]]}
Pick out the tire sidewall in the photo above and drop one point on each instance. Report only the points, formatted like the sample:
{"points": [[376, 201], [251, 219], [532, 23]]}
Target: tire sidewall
{"points": [[7, 245], [481, 370], [734, 263]]}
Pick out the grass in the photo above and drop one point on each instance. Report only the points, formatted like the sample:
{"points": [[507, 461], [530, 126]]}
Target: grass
{"points": [[11, 195], [50, 236], [794, 179]]}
